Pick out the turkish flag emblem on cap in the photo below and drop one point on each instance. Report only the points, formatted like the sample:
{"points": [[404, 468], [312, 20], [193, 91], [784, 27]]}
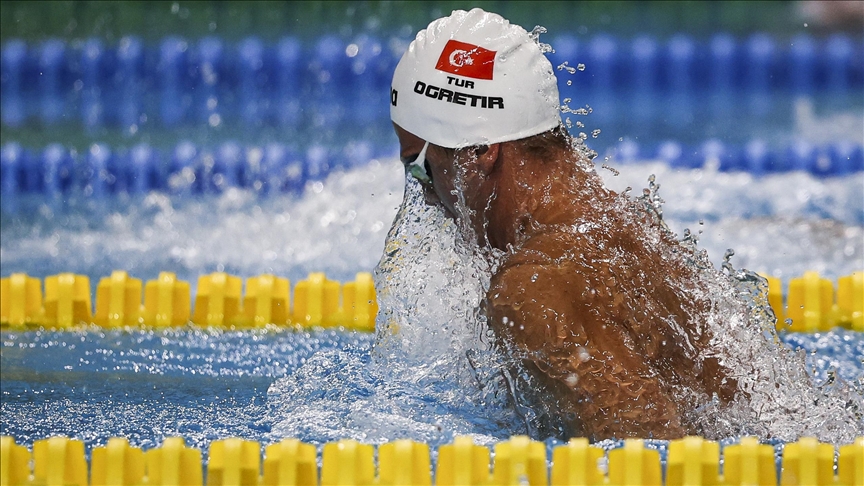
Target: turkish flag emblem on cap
{"points": [[466, 60]]}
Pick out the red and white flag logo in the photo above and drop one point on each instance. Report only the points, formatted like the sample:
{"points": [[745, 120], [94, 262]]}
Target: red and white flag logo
{"points": [[466, 60]]}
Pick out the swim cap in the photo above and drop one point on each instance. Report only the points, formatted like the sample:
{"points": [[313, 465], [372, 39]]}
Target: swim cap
{"points": [[473, 78]]}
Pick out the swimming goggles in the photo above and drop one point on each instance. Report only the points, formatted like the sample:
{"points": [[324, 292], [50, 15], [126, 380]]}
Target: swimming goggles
{"points": [[418, 167]]}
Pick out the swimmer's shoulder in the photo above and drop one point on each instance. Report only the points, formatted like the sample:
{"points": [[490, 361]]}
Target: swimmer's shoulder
{"points": [[551, 247], [544, 268]]}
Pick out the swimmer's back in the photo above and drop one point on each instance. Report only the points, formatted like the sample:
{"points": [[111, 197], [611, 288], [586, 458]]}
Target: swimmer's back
{"points": [[604, 321]]}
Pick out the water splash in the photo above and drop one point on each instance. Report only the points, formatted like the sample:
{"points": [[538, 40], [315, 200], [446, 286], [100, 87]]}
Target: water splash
{"points": [[652, 202], [565, 66], [535, 36], [780, 398], [611, 169], [432, 284], [432, 373]]}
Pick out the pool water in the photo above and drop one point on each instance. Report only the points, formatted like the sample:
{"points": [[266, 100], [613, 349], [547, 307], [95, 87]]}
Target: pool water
{"points": [[206, 384]]}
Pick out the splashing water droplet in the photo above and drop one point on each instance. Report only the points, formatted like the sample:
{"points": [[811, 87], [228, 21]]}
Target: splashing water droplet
{"points": [[611, 169], [535, 36], [577, 111], [565, 66], [652, 203]]}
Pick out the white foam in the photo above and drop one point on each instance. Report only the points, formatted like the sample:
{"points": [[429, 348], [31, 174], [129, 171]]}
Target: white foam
{"points": [[780, 224], [337, 226]]}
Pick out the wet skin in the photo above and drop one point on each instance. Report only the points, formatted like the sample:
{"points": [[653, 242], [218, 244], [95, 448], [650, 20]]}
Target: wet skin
{"points": [[602, 305]]}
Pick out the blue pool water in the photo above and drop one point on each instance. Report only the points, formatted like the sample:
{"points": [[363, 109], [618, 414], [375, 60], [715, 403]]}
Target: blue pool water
{"points": [[325, 385], [207, 385], [199, 384]]}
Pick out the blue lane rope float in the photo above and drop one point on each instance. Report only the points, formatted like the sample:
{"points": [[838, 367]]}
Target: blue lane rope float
{"points": [[332, 78], [188, 169], [691, 461], [755, 157], [811, 303]]}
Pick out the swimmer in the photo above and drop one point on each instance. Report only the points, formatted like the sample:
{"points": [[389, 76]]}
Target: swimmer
{"points": [[592, 293]]}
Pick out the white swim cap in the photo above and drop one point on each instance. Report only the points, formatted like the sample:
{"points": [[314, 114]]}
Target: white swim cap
{"points": [[474, 79]]}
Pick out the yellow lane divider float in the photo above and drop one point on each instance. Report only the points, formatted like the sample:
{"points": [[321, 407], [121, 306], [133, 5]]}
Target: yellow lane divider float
{"points": [[811, 305], [693, 461], [319, 302]]}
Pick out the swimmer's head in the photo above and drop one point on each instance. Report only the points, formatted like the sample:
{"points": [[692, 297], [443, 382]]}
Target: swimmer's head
{"points": [[473, 78]]}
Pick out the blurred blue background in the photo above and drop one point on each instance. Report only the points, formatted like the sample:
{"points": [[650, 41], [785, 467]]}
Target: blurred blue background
{"points": [[273, 94]]}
